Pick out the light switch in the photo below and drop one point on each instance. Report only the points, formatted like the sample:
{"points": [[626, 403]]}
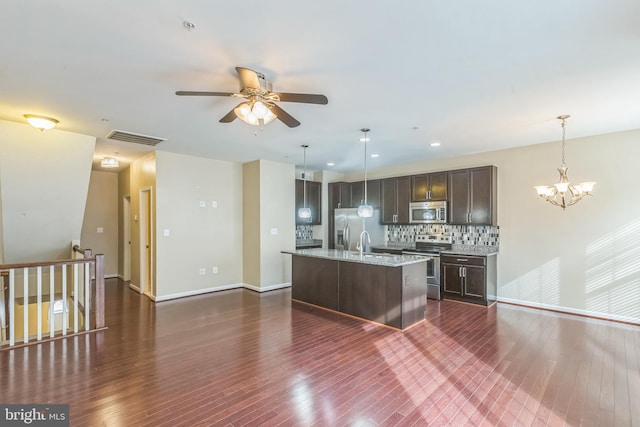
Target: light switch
{"points": [[203, 204], [274, 231], [166, 232], [203, 271], [214, 204], [100, 230]]}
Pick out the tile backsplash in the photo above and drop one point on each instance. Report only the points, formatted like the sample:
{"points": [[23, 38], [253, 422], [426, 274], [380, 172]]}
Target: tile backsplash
{"points": [[482, 235], [304, 232]]}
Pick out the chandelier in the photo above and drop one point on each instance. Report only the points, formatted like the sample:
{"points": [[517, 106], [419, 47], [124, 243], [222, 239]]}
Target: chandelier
{"points": [[564, 193]]}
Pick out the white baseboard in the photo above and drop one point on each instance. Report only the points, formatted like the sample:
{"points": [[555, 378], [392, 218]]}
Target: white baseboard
{"points": [[220, 288], [134, 287], [267, 288], [568, 310]]}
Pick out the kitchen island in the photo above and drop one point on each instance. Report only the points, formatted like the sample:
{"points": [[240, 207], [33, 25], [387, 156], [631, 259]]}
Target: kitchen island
{"points": [[387, 289]]}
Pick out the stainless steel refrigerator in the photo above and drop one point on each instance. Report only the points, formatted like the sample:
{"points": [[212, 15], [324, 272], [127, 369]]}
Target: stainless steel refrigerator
{"points": [[348, 226]]}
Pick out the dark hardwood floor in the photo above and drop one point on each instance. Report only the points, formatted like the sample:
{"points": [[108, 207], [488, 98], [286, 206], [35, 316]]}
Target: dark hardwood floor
{"points": [[242, 358]]}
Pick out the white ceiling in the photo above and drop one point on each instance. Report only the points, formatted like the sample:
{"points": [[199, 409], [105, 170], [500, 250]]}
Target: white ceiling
{"points": [[477, 76]]}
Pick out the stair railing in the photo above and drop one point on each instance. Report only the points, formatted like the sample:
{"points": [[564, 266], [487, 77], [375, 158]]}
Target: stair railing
{"points": [[70, 297]]}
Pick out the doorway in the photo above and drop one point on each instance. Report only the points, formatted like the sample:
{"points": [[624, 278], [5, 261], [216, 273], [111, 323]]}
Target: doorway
{"points": [[146, 243]]}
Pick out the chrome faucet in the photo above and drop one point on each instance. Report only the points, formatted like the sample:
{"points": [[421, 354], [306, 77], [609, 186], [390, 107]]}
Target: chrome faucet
{"points": [[360, 245]]}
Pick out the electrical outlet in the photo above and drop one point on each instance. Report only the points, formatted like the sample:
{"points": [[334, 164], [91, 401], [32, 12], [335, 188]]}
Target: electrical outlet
{"points": [[203, 271], [214, 204], [214, 270], [166, 232], [274, 231]]}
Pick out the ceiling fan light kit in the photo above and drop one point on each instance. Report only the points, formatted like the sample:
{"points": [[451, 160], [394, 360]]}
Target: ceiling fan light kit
{"points": [[260, 106]]}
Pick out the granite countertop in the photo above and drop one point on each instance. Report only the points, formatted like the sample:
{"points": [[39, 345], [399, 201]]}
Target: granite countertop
{"points": [[308, 242], [395, 246], [353, 256], [472, 250]]}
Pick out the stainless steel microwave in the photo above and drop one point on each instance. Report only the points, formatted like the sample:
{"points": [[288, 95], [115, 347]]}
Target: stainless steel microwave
{"points": [[428, 213]]}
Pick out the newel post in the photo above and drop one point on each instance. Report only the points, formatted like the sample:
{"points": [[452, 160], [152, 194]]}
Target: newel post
{"points": [[99, 291]]}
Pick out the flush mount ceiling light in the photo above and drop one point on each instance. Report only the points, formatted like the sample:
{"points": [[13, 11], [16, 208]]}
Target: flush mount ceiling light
{"points": [[564, 193], [109, 162], [304, 211], [41, 122], [365, 210]]}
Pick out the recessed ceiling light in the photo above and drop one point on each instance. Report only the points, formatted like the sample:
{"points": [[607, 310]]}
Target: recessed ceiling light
{"points": [[365, 139], [435, 144], [331, 164], [375, 155]]}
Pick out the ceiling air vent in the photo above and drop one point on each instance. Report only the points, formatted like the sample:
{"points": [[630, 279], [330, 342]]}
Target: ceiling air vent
{"points": [[135, 138]]}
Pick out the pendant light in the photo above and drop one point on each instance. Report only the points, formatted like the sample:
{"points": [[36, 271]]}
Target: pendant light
{"points": [[564, 193], [304, 212], [365, 210]]}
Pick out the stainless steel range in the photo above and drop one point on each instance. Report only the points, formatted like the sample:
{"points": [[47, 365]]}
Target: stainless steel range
{"points": [[432, 245]]}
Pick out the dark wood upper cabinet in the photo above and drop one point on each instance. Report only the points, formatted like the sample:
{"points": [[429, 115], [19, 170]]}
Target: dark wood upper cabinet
{"points": [[395, 196], [339, 195], [373, 193], [429, 187], [314, 201], [472, 196]]}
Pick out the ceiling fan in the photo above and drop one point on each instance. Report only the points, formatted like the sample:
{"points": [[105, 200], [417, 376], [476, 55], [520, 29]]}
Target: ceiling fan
{"points": [[260, 106]]}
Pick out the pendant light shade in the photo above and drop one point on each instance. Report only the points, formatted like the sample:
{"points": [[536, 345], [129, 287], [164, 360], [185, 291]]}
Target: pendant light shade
{"points": [[365, 210], [304, 212]]}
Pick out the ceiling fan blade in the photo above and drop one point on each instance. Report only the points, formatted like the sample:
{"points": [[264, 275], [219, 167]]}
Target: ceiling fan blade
{"points": [[229, 117], [190, 93], [283, 116], [248, 78], [306, 98]]}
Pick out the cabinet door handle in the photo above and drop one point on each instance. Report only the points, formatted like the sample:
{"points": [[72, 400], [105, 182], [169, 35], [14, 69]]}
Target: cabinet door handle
{"points": [[429, 195], [464, 272], [459, 271]]}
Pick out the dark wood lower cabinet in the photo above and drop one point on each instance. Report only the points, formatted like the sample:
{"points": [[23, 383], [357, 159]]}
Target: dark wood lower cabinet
{"points": [[394, 296], [316, 281], [469, 278]]}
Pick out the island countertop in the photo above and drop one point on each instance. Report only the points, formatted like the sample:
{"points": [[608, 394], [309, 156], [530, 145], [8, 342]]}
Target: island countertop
{"points": [[353, 256]]}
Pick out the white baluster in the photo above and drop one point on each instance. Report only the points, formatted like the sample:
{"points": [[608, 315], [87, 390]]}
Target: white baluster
{"points": [[25, 294], [87, 294], [39, 304], [12, 307], [75, 298], [65, 320], [51, 300]]}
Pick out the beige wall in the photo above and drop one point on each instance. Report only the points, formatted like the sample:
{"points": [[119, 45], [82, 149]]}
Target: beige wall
{"points": [[142, 176], [44, 177], [582, 260], [268, 223], [102, 211], [251, 236], [199, 237]]}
